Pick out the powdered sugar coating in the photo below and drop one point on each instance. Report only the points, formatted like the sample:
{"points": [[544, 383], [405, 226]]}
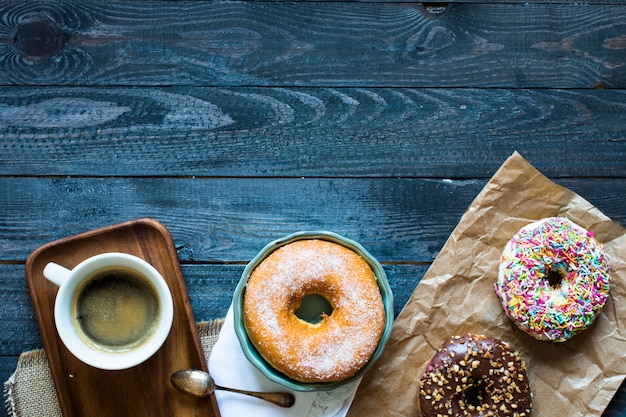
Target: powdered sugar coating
{"points": [[553, 312], [340, 344]]}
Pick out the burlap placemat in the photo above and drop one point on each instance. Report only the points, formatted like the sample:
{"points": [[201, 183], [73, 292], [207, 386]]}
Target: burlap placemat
{"points": [[30, 391]]}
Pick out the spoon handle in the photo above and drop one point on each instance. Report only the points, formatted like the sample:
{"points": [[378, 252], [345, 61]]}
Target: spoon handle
{"points": [[283, 399]]}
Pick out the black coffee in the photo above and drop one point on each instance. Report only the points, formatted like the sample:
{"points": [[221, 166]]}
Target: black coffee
{"points": [[116, 309]]}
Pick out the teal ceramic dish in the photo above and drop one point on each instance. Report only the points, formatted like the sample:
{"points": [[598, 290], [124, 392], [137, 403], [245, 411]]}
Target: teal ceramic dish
{"points": [[255, 357]]}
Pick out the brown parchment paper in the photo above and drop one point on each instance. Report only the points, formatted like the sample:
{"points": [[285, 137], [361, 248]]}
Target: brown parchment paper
{"points": [[575, 378]]}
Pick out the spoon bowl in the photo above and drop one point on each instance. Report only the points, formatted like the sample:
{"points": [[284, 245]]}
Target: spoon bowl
{"points": [[193, 382], [199, 383]]}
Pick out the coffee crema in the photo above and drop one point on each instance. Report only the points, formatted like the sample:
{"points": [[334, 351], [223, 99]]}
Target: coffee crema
{"points": [[116, 309]]}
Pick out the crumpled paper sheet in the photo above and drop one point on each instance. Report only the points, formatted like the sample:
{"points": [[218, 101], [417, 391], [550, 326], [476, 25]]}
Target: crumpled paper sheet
{"points": [[575, 378]]}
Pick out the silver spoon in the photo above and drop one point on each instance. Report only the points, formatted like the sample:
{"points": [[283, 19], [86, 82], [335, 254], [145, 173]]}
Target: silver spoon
{"points": [[200, 384]]}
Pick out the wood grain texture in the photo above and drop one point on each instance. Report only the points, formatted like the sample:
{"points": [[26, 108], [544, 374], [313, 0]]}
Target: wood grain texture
{"points": [[235, 123], [352, 132], [229, 220], [313, 44]]}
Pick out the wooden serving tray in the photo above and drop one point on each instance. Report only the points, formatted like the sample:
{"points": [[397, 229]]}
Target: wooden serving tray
{"points": [[144, 390]]}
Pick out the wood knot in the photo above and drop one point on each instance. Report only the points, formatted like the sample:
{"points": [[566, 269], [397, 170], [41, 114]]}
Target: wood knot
{"points": [[433, 10], [38, 39]]}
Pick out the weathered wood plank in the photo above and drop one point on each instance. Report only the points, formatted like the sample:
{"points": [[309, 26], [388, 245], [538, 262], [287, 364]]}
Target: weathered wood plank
{"points": [[18, 325], [230, 220], [225, 220], [311, 44], [617, 406], [350, 132]]}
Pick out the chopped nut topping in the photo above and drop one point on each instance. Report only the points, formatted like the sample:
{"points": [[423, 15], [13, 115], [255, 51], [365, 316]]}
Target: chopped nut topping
{"points": [[486, 378]]}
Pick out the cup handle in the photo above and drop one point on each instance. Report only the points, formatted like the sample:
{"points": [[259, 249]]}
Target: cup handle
{"points": [[56, 273]]}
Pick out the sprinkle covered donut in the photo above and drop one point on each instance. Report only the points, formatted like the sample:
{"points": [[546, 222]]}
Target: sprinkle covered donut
{"points": [[343, 341], [553, 279], [474, 375]]}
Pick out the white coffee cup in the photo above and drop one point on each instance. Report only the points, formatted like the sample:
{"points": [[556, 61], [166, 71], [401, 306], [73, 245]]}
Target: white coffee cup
{"points": [[112, 311]]}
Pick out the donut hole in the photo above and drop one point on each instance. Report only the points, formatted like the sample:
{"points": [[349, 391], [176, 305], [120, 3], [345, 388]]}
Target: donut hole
{"points": [[313, 308], [474, 394], [554, 277]]}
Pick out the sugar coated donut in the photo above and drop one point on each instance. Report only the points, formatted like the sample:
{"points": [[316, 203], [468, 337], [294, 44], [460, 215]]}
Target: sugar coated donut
{"points": [[553, 279], [475, 375], [343, 341]]}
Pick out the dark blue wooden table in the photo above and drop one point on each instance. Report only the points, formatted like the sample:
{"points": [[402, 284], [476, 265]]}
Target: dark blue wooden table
{"points": [[235, 123]]}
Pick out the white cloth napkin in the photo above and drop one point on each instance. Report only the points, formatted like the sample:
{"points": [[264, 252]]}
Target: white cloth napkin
{"points": [[230, 368]]}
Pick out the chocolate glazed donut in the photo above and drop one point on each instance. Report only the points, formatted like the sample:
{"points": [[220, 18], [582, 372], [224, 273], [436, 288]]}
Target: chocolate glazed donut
{"points": [[475, 375]]}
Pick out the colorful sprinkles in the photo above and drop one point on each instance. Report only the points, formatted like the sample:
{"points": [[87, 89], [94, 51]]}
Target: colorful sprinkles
{"points": [[547, 308]]}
